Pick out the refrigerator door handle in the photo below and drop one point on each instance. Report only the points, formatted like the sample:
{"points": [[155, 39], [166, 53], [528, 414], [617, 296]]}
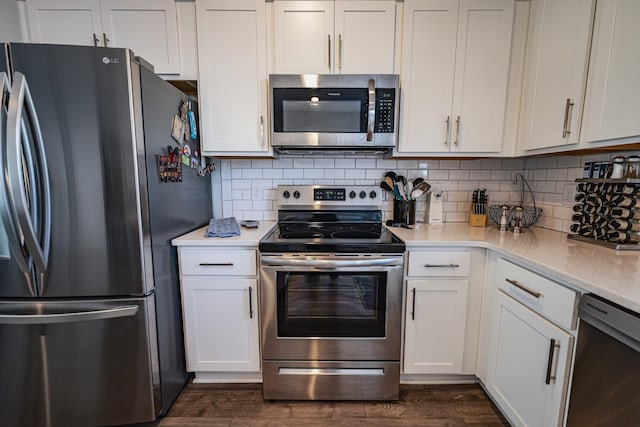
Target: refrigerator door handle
{"points": [[68, 317], [7, 214], [18, 153]]}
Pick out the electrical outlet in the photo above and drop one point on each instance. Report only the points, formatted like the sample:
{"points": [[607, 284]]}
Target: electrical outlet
{"points": [[256, 191], [568, 193]]}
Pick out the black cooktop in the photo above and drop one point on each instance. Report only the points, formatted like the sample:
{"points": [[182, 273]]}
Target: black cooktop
{"points": [[331, 231]]}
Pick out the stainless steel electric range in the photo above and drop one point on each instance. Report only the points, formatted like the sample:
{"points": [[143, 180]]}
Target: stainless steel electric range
{"points": [[331, 296]]}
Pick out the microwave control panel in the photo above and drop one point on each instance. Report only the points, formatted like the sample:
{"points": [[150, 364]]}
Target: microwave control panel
{"points": [[385, 110]]}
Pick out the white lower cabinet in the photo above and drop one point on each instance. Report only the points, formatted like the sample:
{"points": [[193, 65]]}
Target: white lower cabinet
{"points": [[219, 289], [529, 355], [221, 324], [435, 328], [442, 311]]}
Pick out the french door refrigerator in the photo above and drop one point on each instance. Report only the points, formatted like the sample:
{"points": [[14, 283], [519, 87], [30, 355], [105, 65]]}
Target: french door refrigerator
{"points": [[90, 318]]}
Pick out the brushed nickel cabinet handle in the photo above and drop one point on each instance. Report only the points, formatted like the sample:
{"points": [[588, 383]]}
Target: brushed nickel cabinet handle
{"points": [[96, 40], [106, 40], [216, 264], [250, 302], [262, 131], [522, 287], [552, 348], [455, 141], [442, 265], [340, 52], [329, 49], [568, 107], [413, 305], [447, 130]]}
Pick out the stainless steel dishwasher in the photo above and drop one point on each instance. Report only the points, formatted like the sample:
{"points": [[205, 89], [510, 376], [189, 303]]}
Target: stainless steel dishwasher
{"points": [[606, 378]]}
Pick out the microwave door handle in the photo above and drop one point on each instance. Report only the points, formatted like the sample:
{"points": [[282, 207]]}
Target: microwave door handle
{"points": [[371, 115]]}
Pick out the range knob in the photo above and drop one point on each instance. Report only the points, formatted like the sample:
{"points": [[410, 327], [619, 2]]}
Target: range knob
{"points": [[296, 194], [286, 194], [352, 195], [373, 194], [363, 194]]}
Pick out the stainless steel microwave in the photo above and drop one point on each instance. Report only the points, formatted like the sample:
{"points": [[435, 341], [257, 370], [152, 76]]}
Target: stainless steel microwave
{"points": [[334, 112]]}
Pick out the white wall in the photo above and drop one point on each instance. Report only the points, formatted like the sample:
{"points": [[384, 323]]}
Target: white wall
{"points": [[10, 21]]}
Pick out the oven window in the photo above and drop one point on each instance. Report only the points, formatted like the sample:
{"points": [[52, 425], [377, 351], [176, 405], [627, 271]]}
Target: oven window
{"points": [[318, 304]]}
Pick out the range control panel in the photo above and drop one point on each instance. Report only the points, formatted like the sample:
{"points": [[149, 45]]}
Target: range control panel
{"points": [[329, 196]]}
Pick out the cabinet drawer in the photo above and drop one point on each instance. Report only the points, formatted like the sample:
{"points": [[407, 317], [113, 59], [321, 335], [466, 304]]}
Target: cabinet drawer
{"points": [[439, 263], [217, 262], [551, 299]]}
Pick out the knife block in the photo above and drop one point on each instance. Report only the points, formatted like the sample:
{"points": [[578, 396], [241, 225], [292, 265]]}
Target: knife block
{"points": [[476, 220]]}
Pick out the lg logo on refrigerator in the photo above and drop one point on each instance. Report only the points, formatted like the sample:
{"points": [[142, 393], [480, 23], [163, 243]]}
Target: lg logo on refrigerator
{"points": [[107, 60]]}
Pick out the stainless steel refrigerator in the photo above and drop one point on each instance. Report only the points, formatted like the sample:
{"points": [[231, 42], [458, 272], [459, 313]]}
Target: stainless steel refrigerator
{"points": [[90, 317]]}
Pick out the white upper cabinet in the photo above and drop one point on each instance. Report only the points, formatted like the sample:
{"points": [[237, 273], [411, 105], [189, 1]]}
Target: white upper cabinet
{"points": [[454, 75], [555, 73], [65, 22], [612, 107], [148, 27], [365, 32], [232, 86], [326, 37]]}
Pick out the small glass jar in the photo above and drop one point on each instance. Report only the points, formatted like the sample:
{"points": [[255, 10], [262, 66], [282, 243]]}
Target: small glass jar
{"points": [[632, 168]]}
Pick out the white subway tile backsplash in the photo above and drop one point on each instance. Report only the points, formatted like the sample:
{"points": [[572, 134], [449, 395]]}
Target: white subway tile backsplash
{"points": [[272, 173], [293, 173], [547, 177], [355, 174]]}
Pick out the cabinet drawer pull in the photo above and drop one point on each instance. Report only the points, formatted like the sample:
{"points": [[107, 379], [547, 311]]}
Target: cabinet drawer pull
{"points": [[216, 264], [552, 348], [442, 265], [565, 130], [524, 288], [250, 302], [413, 304]]}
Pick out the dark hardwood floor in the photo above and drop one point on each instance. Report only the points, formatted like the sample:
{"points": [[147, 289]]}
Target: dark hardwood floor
{"points": [[419, 405]]}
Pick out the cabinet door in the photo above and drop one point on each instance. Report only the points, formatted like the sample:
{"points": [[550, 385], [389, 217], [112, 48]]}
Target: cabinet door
{"points": [[148, 27], [75, 22], [611, 107], [220, 324], [428, 60], [435, 326], [528, 364], [555, 72], [303, 37], [232, 86], [482, 64], [365, 37]]}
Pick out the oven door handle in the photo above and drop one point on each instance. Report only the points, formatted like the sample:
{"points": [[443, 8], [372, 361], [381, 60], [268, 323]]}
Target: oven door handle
{"points": [[330, 263]]}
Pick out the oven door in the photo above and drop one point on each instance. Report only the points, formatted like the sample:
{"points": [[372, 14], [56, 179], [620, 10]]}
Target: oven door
{"points": [[331, 307]]}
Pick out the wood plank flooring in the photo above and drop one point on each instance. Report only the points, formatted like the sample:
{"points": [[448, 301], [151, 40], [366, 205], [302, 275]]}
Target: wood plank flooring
{"points": [[234, 405]]}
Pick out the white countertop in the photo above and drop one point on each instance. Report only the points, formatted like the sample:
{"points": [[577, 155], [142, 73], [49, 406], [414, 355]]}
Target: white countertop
{"points": [[247, 237], [614, 275]]}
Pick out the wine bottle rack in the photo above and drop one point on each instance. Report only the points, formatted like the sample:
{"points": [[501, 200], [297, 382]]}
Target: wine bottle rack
{"points": [[607, 213]]}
